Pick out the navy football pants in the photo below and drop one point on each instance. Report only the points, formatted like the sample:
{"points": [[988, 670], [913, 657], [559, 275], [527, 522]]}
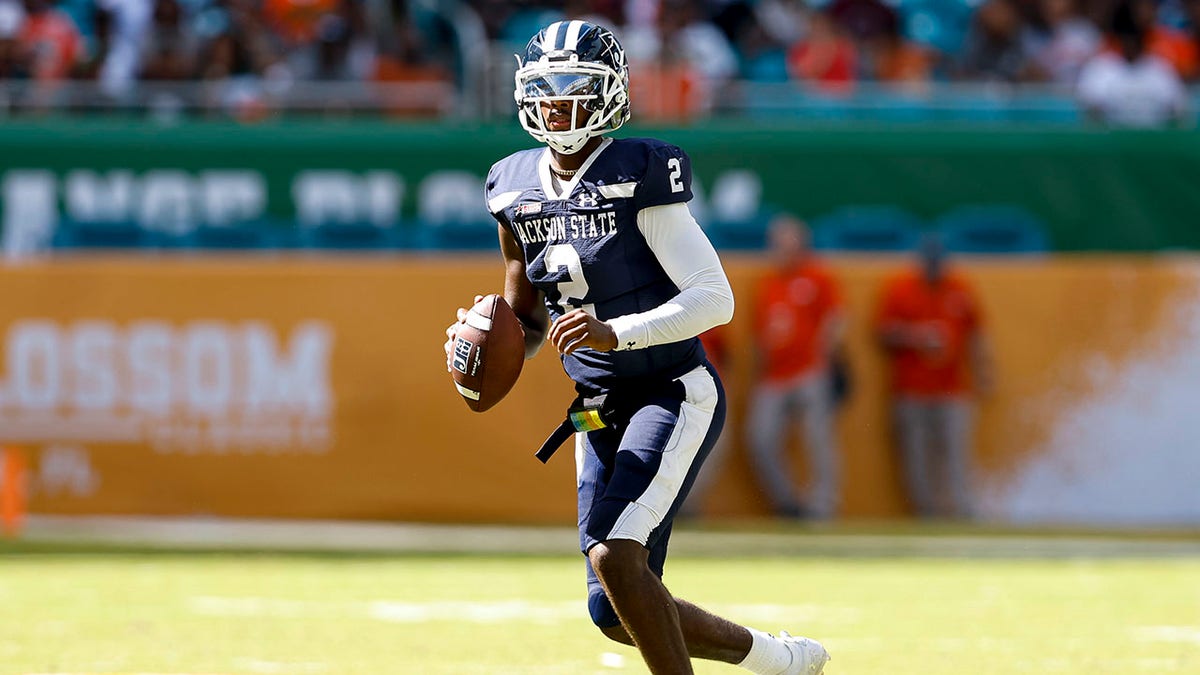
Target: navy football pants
{"points": [[633, 479]]}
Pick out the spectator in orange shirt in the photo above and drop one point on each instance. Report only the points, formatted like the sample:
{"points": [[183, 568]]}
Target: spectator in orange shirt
{"points": [[930, 323], [50, 41], [1192, 9], [892, 59], [797, 326], [1170, 45], [826, 59], [297, 22]]}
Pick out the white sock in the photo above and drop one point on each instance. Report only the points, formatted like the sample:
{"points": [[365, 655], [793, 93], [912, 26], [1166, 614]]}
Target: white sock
{"points": [[768, 656]]}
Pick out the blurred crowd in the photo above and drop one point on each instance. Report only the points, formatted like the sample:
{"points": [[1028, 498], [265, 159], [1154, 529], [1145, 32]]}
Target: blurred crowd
{"points": [[683, 53], [836, 43], [839, 47], [251, 47]]}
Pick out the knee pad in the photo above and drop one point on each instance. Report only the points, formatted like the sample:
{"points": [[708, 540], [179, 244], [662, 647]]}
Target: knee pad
{"points": [[601, 610]]}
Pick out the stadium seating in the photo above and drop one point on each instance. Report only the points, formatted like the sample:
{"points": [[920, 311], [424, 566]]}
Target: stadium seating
{"points": [[867, 228], [455, 236], [747, 235], [939, 24], [525, 23], [980, 228], [349, 236], [767, 66], [242, 236], [992, 228], [78, 234]]}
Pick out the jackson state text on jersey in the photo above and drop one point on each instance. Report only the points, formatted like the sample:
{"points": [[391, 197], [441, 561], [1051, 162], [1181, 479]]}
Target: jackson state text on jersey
{"points": [[584, 248]]}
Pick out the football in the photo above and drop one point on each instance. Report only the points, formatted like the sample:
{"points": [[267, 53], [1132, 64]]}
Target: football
{"points": [[489, 351]]}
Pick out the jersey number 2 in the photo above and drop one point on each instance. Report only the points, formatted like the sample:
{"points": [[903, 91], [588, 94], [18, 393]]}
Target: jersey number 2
{"points": [[572, 291], [676, 174]]}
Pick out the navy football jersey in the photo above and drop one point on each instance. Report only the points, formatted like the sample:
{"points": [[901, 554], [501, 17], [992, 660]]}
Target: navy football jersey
{"points": [[583, 247]]}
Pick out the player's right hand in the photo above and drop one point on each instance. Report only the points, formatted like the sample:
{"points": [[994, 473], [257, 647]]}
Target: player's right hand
{"points": [[452, 331]]}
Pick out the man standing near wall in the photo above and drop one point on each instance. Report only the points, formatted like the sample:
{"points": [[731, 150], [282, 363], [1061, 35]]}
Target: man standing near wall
{"points": [[930, 325], [797, 327]]}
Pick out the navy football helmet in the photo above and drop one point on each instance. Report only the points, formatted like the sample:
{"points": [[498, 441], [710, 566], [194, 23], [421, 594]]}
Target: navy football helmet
{"points": [[576, 61]]}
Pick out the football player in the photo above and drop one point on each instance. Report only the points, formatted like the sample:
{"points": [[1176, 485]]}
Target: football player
{"points": [[605, 261]]}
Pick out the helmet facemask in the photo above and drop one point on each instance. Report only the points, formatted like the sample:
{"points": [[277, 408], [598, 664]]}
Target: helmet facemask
{"points": [[597, 92]]}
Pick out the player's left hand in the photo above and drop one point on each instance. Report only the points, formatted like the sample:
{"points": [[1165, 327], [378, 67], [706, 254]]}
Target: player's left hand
{"points": [[577, 329]]}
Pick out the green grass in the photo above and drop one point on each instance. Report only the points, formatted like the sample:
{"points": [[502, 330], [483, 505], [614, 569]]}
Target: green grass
{"points": [[98, 611]]}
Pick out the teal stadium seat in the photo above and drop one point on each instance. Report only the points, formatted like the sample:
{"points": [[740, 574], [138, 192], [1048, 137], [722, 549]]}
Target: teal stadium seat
{"points": [[524, 23], [435, 21], [455, 236], [938, 24], [769, 65], [82, 14], [867, 228], [992, 229], [243, 236], [355, 236], [742, 235], [80, 234]]}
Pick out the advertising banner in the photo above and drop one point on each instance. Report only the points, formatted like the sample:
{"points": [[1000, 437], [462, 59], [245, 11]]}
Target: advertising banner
{"points": [[317, 388]]}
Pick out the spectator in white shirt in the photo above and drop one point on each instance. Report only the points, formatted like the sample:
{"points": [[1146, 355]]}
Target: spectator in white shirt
{"points": [[1132, 88]]}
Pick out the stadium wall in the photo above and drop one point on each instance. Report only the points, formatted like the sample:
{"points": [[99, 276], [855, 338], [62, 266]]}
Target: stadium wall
{"points": [[1092, 189], [316, 388]]}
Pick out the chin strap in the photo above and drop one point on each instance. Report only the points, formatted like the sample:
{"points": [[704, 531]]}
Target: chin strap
{"points": [[565, 148]]}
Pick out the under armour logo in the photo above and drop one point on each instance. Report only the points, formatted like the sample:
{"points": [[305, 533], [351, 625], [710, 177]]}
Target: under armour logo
{"points": [[630, 344], [588, 200]]}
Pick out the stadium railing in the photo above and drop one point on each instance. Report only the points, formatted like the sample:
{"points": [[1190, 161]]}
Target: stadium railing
{"points": [[488, 96], [965, 103], [241, 98]]}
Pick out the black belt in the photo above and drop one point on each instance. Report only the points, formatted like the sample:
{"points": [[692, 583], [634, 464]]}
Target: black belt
{"points": [[557, 437], [585, 414], [610, 409]]}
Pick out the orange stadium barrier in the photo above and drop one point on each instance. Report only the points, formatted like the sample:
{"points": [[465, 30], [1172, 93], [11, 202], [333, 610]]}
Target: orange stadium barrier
{"points": [[317, 388]]}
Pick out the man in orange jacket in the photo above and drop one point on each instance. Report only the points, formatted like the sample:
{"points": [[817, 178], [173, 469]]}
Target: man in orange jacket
{"points": [[798, 323], [930, 324]]}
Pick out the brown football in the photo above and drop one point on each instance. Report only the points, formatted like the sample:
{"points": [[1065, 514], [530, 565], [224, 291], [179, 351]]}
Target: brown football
{"points": [[489, 351]]}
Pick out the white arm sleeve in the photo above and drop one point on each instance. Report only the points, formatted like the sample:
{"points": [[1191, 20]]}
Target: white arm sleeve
{"points": [[705, 298]]}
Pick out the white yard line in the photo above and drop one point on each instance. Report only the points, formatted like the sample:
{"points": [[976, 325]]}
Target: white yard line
{"points": [[283, 535], [280, 667], [475, 612], [479, 612], [1173, 634]]}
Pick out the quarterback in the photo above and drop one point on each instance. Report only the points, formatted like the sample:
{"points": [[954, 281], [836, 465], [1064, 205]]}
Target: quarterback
{"points": [[604, 260]]}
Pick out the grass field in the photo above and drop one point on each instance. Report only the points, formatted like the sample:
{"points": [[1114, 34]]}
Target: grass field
{"points": [[97, 610]]}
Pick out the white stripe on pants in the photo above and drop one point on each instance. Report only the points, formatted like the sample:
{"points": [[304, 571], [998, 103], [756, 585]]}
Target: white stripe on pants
{"points": [[695, 419]]}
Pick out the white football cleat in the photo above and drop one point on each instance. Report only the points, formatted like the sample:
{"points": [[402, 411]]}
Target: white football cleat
{"points": [[808, 656]]}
